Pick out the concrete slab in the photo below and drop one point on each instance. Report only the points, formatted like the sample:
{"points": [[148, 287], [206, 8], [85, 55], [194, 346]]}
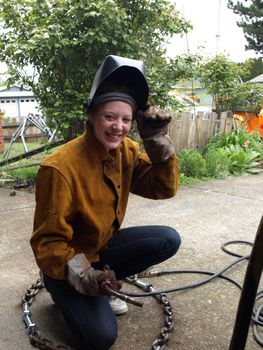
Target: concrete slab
{"points": [[205, 214]]}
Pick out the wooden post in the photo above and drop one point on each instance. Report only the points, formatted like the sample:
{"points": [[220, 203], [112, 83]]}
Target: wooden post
{"points": [[185, 129], [2, 142], [249, 292], [222, 126], [229, 121], [175, 132]]}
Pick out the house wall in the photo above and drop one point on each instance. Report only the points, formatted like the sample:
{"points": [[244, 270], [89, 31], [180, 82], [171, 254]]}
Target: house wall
{"points": [[17, 103], [18, 107]]}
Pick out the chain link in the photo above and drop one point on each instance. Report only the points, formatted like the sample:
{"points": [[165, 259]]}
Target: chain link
{"points": [[164, 336], [165, 333], [42, 343], [32, 292], [35, 337]]}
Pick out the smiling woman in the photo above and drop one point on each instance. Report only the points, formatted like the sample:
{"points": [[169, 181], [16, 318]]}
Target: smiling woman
{"points": [[82, 193], [111, 122]]}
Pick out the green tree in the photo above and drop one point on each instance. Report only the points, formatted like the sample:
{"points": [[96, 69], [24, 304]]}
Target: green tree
{"points": [[221, 77], [251, 22], [251, 68], [64, 41], [177, 68]]}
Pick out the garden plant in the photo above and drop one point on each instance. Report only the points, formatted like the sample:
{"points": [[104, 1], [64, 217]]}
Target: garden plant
{"points": [[226, 154]]}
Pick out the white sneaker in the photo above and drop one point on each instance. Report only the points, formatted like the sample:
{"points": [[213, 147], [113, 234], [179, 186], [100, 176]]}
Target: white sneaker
{"points": [[118, 306]]}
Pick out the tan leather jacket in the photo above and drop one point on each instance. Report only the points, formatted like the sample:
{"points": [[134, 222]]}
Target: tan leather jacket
{"points": [[81, 197]]}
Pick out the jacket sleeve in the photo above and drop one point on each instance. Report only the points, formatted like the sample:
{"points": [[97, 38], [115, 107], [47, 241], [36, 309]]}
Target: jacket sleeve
{"points": [[155, 180], [52, 231]]}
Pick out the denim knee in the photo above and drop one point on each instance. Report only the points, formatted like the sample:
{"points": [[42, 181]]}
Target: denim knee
{"points": [[103, 342], [173, 239], [102, 337]]}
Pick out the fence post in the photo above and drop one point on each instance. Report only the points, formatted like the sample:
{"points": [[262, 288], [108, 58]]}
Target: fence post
{"points": [[175, 128], [186, 122], [229, 121], [2, 142], [226, 122]]}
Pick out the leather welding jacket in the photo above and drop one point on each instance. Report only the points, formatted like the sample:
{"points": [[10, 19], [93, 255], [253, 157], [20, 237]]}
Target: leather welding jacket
{"points": [[81, 197]]}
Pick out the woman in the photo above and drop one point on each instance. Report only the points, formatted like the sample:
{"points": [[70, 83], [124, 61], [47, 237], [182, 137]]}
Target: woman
{"points": [[81, 197]]}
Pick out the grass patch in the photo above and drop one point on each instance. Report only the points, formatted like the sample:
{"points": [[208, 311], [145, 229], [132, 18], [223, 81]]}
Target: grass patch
{"points": [[23, 174], [188, 180], [25, 169]]}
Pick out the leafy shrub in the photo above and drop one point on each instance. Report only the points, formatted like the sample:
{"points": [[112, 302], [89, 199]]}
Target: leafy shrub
{"points": [[242, 161], [192, 163], [217, 163], [237, 137], [234, 152]]}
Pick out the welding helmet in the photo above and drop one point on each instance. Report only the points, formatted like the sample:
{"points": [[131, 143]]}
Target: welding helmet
{"points": [[119, 78]]}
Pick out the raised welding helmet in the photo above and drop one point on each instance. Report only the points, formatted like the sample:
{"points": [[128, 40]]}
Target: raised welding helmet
{"points": [[123, 76]]}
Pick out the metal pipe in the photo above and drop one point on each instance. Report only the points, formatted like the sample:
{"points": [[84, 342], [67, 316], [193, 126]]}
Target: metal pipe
{"points": [[249, 292]]}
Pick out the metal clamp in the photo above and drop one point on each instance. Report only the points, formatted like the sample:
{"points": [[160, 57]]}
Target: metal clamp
{"points": [[27, 317]]}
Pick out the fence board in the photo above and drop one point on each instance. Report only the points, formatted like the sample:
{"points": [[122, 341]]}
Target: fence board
{"points": [[175, 131], [187, 120], [213, 117], [192, 139], [194, 132], [186, 131]]}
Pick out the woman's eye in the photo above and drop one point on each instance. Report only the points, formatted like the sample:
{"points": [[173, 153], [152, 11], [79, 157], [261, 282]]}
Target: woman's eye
{"points": [[109, 117], [126, 120]]}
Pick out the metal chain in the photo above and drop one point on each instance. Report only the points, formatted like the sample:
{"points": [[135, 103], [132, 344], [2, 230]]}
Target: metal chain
{"points": [[42, 343], [165, 333], [35, 337]]}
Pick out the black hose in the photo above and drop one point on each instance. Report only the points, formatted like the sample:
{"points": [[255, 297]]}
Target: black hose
{"points": [[192, 285], [257, 317]]}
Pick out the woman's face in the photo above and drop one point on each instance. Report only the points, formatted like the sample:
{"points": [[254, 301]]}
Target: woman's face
{"points": [[111, 122]]}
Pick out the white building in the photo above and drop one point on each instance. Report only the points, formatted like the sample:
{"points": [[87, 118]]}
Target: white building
{"points": [[17, 103], [258, 79]]}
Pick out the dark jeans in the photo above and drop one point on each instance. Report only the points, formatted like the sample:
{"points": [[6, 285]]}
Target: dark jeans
{"points": [[131, 251]]}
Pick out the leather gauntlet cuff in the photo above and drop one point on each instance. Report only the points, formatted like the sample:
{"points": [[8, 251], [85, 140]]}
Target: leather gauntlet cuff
{"points": [[86, 280], [159, 148], [77, 270]]}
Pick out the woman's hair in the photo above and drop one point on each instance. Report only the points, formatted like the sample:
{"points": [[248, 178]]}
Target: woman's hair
{"points": [[110, 91]]}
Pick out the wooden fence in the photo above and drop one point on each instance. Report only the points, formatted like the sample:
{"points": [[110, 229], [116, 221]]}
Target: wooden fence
{"points": [[33, 134], [186, 130], [193, 132]]}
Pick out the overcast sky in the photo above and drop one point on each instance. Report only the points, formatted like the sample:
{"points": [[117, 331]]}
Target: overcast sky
{"points": [[209, 19]]}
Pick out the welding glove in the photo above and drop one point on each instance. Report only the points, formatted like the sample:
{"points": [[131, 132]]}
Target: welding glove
{"points": [[86, 280], [153, 129]]}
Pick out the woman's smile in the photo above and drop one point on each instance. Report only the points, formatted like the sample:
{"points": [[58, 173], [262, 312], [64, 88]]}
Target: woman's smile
{"points": [[112, 123]]}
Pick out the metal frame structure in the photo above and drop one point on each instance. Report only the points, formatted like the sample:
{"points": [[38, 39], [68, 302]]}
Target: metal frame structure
{"points": [[27, 121]]}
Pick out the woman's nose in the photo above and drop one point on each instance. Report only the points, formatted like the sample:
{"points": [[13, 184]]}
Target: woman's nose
{"points": [[117, 125]]}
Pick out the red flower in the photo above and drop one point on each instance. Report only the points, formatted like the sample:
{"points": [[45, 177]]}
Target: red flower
{"points": [[261, 126]]}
